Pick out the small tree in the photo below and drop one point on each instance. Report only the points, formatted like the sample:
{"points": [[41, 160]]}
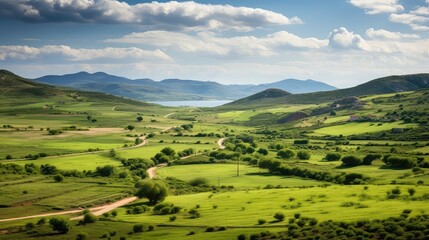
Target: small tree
{"points": [[130, 127], [60, 224], [351, 161], [287, 153], [368, 159], [155, 191], [279, 216], [139, 118], [58, 178], [303, 155], [333, 157], [89, 218], [263, 151], [411, 191]]}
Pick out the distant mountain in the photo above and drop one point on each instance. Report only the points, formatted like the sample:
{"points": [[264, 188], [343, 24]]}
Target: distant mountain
{"points": [[174, 89], [16, 89], [390, 84]]}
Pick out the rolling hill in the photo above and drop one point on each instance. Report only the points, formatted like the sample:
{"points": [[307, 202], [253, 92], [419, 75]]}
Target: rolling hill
{"points": [[177, 89], [16, 89], [390, 84]]}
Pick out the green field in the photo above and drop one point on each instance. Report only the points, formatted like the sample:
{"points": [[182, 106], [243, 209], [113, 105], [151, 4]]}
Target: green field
{"points": [[359, 128], [226, 174]]}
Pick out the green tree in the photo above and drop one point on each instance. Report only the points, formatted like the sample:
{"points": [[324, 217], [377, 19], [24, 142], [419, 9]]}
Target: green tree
{"points": [[130, 127], [303, 155], [58, 178], [263, 151], [89, 218], [333, 157], [60, 224], [169, 151], [286, 154], [279, 216], [139, 118], [351, 161], [154, 190]]}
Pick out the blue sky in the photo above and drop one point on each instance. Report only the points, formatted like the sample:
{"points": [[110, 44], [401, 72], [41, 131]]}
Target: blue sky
{"points": [[340, 42]]}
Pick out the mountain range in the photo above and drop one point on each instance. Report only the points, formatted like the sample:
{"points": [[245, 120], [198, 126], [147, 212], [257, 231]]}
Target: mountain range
{"points": [[174, 89]]}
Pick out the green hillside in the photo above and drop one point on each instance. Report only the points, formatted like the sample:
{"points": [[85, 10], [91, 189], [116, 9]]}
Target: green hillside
{"points": [[390, 84]]}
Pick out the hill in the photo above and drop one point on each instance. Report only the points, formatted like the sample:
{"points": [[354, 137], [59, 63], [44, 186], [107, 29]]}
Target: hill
{"points": [[177, 89], [268, 93], [16, 89], [390, 84]]}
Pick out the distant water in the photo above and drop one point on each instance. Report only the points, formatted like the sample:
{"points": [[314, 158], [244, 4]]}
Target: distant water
{"points": [[208, 103]]}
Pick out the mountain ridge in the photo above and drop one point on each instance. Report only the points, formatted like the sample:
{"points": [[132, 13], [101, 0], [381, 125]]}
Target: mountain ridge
{"points": [[173, 88]]}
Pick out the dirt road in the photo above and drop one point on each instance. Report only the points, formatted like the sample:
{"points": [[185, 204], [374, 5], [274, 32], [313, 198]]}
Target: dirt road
{"points": [[220, 143], [152, 171]]}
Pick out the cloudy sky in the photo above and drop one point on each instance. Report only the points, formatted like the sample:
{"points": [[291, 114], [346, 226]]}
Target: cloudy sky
{"points": [[340, 42]]}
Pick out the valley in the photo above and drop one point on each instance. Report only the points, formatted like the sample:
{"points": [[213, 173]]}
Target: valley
{"points": [[338, 164]]}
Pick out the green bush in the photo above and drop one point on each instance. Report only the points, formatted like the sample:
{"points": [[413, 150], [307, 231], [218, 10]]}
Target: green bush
{"points": [[82, 236], [60, 224], [261, 221], [286, 154], [351, 161], [279, 216], [199, 181], [89, 218], [368, 159], [303, 155], [333, 157]]}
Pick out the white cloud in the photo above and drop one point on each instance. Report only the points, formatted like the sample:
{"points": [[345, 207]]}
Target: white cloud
{"points": [[388, 35], [416, 22], [378, 6], [210, 43], [421, 11], [20, 52], [159, 15], [343, 39]]}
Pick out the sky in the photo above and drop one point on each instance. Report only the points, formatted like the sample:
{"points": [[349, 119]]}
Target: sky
{"points": [[339, 42]]}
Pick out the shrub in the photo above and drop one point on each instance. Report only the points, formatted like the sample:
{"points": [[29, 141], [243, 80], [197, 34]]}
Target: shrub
{"points": [[286, 154], [351, 161], [138, 228], [155, 191], [333, 157], [58, 178], [173, 218], [210, 229], [89, 218], [399, 162], [241, 237], [199, 181], [411, 191], [261, 221], [303, 155], [367, 160], [82, 236], [60, 224], [279, 216], [194, 213], [263, 151]]}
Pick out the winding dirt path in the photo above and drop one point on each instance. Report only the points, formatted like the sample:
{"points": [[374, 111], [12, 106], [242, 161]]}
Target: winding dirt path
{"points": [[152, 171], [220, 143], [166, 116]]}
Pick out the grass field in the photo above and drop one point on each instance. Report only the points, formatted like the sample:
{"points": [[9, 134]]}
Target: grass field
{"points": [[226, 174], [359, 128]]}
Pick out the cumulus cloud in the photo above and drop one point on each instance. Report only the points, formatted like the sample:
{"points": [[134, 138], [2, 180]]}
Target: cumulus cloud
{"points": [[22, 52], [388, 35], [210, 43], [343, 39], [378, 6], [167, 15], [421, 11]]}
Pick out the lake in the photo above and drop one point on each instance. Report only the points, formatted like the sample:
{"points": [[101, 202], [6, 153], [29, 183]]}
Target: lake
{"points": [[208, 103]]}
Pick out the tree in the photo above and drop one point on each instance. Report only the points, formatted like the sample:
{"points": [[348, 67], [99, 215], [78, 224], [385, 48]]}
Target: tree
{"points": [[368, 159], [411, 191], [279, 216], [333, 113], [287, 153], [303, 155], [58, 178], [60, 224], [93, 120], [89, 218], [139, 118], [130, 127], [333, 157], [154, 190], [263, 151], [351, 161], [105, 171], [169, 151]]}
